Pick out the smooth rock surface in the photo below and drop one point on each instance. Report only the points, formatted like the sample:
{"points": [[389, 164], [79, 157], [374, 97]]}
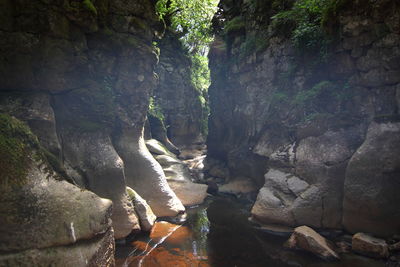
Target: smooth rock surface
{"points": [[372, 183], [307, 239]]}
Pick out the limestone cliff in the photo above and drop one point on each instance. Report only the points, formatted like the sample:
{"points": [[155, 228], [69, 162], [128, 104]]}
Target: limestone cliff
{"points": [[175, 95], [300, 99], [80, 74]]}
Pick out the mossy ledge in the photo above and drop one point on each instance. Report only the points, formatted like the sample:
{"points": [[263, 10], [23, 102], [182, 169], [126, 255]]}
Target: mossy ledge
{"points": [[16, 145]]}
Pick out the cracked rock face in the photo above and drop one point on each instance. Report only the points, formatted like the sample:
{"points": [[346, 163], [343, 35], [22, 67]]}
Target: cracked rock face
{"points": [[372, 183], [266, 120]]}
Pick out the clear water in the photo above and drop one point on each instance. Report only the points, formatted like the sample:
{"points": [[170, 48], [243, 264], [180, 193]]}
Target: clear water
{"points": [[218, 234]]}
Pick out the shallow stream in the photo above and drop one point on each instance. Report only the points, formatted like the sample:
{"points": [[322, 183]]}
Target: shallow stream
{"points": [[218, 234]]}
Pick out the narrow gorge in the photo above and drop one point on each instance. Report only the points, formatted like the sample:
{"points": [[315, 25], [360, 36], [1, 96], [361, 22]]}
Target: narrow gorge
{"points": [[199, 133]]}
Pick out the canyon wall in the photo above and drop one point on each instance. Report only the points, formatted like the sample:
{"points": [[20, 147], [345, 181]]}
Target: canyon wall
{"points": [[80, 75], [309, 109], [176, 96]]}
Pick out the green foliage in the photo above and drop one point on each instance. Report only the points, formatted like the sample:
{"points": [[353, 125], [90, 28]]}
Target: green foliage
{"points": [[16, 139], [190, 18], [89, 6], [323, 97], [253, 44], [155, 110], [200, 73], [304, 21]]}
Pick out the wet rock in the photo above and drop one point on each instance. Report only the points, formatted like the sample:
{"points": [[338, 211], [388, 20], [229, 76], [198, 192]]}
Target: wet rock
{"points": [[142, 209], [307, 239], [238, 186], [370, 246], [372, 181]]}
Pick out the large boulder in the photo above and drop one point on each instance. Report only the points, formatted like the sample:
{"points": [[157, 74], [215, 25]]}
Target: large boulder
{"points": [[372, 183], [308, 190], [43, 217], [93, 154], [307, 239]]}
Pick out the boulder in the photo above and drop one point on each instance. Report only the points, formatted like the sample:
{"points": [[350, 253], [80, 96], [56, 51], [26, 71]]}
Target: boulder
{"points": [[43, 217], [93, 154], [307, 239], [278, 197], [372, 183], [370, 246], [321, 161], [142, 209]]}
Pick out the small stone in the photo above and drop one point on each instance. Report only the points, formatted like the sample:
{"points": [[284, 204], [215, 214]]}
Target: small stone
{"points": [[307, 239], [370, 246]]}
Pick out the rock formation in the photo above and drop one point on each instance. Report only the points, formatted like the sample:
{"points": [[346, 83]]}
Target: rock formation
{"points": [[42, 217], [312, 107], [175, 94], [80, 74]]}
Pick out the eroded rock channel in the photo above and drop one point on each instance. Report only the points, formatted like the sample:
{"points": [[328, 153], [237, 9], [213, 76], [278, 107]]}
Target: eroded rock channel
{"points": [[199, 133]]}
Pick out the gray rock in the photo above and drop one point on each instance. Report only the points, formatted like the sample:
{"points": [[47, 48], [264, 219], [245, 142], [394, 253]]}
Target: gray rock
{"points": [[146, 176], [96, 252], [157, 148], [143, 210], [43, 217], [371, 184], [180, 181], [307, 239], [370, 246], [94, 154]]}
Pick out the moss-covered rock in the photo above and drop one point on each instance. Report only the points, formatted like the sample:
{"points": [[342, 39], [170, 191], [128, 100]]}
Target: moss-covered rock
{"points": [[17, 147]]}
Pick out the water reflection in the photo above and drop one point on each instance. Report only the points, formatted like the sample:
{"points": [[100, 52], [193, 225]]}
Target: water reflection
{"points": [[170, 244], [218, 234]]}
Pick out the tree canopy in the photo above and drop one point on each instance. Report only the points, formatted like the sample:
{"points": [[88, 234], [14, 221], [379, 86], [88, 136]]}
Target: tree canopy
{"points": [[191, 19]]}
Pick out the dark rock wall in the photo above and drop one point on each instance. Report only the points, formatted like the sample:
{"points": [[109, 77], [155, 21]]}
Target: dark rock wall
{"points": [[80, 74], [305, 113], [175, 94]]}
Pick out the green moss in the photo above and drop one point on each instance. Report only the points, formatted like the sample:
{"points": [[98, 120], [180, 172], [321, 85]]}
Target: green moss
{"points": [[16, 144], [155, 110], [131, 193], [89, 6], [307, 96]]}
